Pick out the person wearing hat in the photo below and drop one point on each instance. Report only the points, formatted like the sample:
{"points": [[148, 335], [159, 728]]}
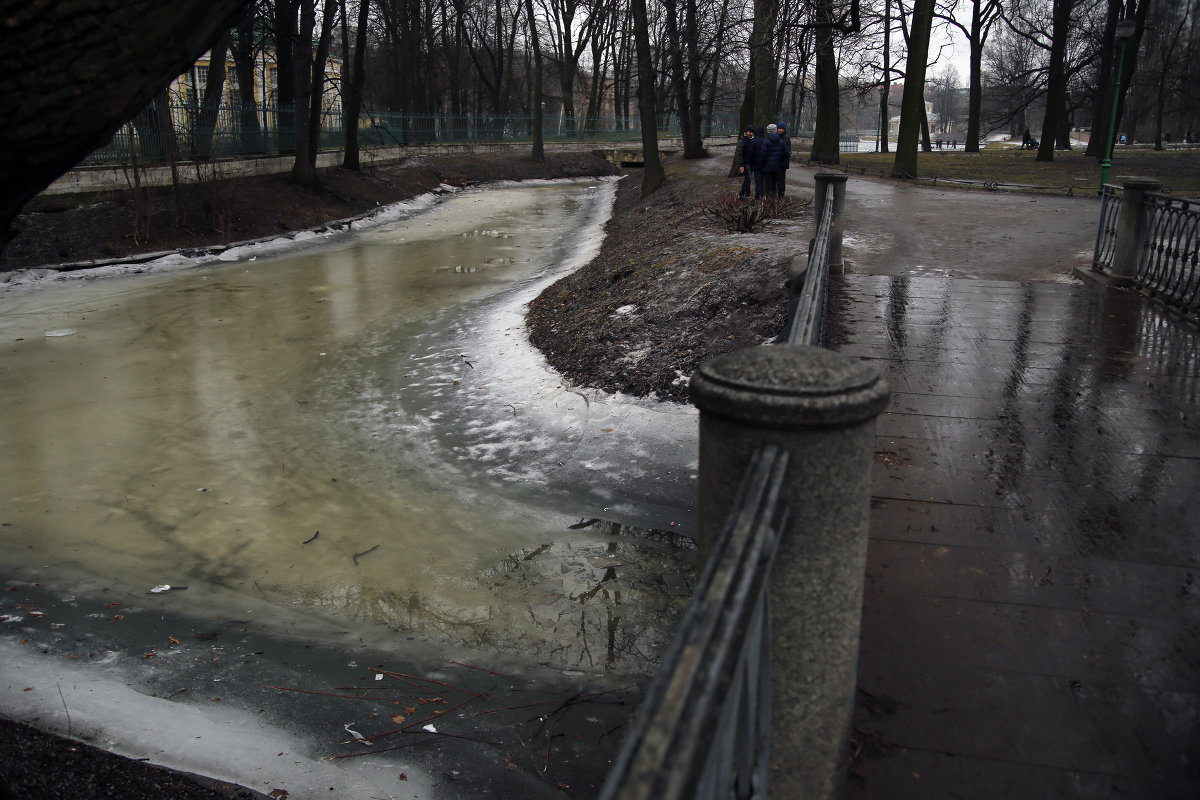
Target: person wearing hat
{"points": [[772, 161], [746, 149], [781, 129]]}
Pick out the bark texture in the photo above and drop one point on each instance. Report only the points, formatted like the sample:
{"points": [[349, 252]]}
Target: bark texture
{"points": [[912, 103], [73, 71]]}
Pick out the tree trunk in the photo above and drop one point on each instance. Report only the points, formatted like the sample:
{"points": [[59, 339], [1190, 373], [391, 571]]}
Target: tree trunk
{"points": [[653, 174], [302, 60], [926, 144], [693, 141], [243, 65], [678, 79], [826, 146], [912, 105], [885, 94], [745, 115], [1102, 100], [762, 36], [1056, 84], [975, 92], [286, 17], [539, 147], [317, 94], [1063, 136], [353, 91], [214, 89]]}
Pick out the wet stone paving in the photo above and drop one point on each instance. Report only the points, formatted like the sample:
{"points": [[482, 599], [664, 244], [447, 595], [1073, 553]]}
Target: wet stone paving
{"points": [[1031, 610]]}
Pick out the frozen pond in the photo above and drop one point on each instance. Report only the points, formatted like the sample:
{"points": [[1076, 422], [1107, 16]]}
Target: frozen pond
{"points": [[355, 429]]}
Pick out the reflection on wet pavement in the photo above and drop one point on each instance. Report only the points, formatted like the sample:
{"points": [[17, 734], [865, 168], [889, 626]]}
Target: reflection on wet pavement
{"points": [[898, 228], [1031, 617]]}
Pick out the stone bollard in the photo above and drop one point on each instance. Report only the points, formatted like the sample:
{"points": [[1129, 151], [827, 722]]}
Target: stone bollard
{"points": [[821, 406], [837, 182], [1131, 230]]}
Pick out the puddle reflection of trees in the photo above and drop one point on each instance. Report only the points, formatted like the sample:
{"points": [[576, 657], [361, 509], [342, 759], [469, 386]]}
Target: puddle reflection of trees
{"points": [[610, 599], [606, 596]]}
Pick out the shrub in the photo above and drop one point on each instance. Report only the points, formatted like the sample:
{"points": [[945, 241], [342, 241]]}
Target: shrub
{"points": [[743, 216], [736, 214]]}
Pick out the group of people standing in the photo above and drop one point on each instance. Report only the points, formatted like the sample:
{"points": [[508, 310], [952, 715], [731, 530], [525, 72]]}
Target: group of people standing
{"points": [[764, 155]]}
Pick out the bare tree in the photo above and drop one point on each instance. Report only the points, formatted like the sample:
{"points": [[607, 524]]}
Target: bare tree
{"points": [[912, 104], [945, 99], [352, 88], [829, 22], [569, 39], [653, 174], [1165, 45], [1056, 87], [984, 14], [244, 48], [210, 104], [538, 153]]}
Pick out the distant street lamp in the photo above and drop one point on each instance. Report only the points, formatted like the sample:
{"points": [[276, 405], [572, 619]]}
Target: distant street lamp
{"points": [[1126, 28]]}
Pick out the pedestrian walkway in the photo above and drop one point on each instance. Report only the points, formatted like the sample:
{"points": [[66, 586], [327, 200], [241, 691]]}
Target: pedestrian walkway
{"points": [[1031, 622]]}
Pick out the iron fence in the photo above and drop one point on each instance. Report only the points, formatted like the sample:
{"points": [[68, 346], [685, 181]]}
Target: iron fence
{"points": [[1169, 262], [1106, 233], [186, 131], [703, 731]]}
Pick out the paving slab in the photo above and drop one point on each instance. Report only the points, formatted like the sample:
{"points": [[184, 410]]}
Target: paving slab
{"points": [[1031, 606]]}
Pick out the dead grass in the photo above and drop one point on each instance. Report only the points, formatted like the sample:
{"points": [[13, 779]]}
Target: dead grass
{"points": [[1071, 172]]}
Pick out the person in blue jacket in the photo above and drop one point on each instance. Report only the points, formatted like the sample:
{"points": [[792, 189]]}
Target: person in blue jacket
{"points": [[773, 154], [787, 160]]}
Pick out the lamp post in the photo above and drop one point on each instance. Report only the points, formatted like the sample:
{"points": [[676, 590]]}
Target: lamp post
{"points": [[1126, 28]]}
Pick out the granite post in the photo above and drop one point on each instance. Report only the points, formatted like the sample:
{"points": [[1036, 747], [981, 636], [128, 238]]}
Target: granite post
{"points": [[821, 406], [1131, 230]]}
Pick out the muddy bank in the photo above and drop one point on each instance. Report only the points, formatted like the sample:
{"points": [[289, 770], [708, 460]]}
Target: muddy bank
{"points": [[57, 231], [670, 288]]}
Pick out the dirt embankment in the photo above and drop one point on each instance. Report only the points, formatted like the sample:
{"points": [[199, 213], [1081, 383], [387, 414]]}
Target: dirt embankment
{"points": [[670, 288]]}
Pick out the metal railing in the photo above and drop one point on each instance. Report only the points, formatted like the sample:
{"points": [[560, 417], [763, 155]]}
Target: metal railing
{"points": [[1169, 266], [1106, 232], [704, 727], [1152, 241], [808, 315]]}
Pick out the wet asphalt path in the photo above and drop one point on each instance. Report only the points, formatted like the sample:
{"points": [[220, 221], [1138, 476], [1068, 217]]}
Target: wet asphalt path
{"points": [[896, 228], [1031, 610]]}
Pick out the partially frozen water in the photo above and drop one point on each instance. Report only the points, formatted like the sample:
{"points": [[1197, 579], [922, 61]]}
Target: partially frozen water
{"points": [[354, 427], [359, 429]]}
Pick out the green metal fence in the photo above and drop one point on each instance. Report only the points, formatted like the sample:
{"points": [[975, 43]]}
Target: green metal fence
{"points": [[185, 132]]}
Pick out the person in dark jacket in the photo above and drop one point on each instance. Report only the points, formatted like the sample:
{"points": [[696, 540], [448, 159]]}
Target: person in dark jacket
{"points": [[781, 129], [745, 157], [772, 161], [755, 160]]}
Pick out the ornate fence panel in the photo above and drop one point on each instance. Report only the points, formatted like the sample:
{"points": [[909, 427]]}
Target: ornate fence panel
{"points": [[1106, 233], [1169, 266]]}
